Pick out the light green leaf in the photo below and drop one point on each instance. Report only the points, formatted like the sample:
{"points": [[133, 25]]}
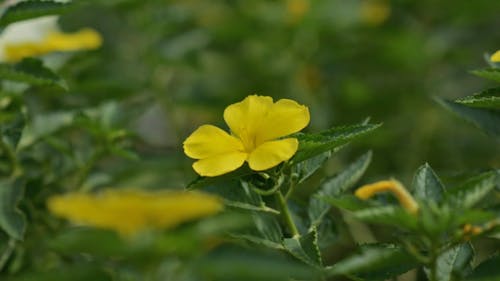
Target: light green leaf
{"points": [[473, 190], [486, 99], [453, 261], [12, 220], [259, 241], [427, 186], [488, 73], [374, 262], [335, 186], [388, 215], [31, 9], [305, 248], [44, 125], [311, 145], [487, 270], [485, 119], [33, 72]]}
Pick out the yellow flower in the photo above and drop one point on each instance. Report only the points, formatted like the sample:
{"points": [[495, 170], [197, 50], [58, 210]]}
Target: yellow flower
{"points": [[495, 57], [403, 196], [42, 36], [130, 211], [257, 125], [375, 12]]}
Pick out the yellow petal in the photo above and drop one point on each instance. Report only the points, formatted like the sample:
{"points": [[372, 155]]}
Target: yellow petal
{"points": [[495, 57], [285, 117], [271, 153], [245, 118], [142, 210], [220, 164], [208, 141], [84, 39]]}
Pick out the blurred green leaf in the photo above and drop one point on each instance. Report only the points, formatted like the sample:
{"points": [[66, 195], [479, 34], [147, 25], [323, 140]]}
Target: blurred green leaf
{"points": [[305, 248], [488, 270], [473, 190], [427, 186], [43, 125], [80, 272], [248, 265], [388, 215], [347, 202], [486, 99], [311, 145], [485, 119], [335, 186], [25, 10], [12, 220], [211, 181], [374, 262], [488, 73], [33, 72]]}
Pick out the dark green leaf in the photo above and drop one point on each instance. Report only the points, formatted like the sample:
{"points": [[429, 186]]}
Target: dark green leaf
{"points": [[211, 181], [488, 73], [33, 72], [248, 265], [80, 272], [259, 241], [347, 202], [487, 270], [12, 220], [486, 99], [427, 186], [306, 168], [305, 248], [375, 262], [311, 145], [485, 119], [31, 9], [335, 186], [44, 125], [473, 190]]}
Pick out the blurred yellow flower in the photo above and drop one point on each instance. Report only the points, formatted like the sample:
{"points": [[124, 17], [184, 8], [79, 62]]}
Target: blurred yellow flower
{"points": [[296, 9], [41, 36], [403, 196], [257, 125], [495, 57], [375, 12], [131, 211]]}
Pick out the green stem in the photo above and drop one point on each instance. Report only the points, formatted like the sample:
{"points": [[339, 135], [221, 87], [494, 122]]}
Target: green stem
{"points": [[11, 155], [285, 214], [7, 252]]}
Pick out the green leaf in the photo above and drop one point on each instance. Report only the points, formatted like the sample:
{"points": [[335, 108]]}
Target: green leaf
{"points": [[33, 72], [347, 202], [250, 265], [43, 125], [220, 180], [259, 241], [31, 9], [335, 186], [12, 220], [486, 99], [311, 145], [485, 119], [488, 270], [473, 190], [80, 272], [306, 168], [427, 186], [374, 262], [305, 248], [388, 215], [488, 73], [454, 261]]}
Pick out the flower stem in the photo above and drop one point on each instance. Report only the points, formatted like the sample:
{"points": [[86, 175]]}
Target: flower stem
{"points": [[285, 214]]}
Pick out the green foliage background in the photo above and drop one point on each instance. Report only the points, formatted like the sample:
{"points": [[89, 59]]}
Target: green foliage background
{"points": [[118, 115]]}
